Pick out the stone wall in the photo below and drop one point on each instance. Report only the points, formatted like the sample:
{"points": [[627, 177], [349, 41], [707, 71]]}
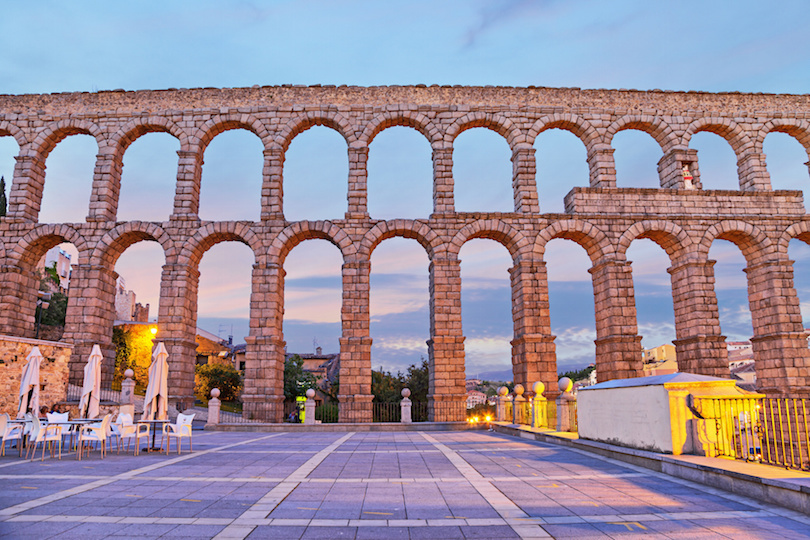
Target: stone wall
{"points": [[52, 375], [600, 217]]}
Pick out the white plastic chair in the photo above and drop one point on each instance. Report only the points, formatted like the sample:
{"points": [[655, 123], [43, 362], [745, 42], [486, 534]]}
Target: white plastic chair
{"points": [[124, 428], [9, 432], [56, 418], [179, 430], [45, 434], [98, 432], [29, 424]]}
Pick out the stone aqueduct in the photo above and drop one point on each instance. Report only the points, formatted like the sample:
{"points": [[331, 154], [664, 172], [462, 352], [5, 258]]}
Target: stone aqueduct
{"points": [[600, 217]]}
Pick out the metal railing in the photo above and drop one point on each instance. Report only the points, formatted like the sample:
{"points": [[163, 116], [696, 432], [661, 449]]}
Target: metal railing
{"points": [[325, 413], [74, 393], [420, 411], [766, 430], [387, 412]]}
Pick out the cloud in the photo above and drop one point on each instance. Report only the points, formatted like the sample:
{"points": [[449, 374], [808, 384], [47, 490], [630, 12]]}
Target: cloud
{"points": [[397, 343], [498, 13]]}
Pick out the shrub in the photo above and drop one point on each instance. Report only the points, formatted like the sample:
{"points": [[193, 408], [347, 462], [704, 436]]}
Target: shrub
{"points": [[222, 376]]}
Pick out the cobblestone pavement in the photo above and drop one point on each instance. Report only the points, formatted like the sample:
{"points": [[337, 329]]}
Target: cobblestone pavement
{"points": [[369, 485]]}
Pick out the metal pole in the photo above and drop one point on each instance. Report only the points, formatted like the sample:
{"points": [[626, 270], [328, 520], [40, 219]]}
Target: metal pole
{"points": [[39, 318]]}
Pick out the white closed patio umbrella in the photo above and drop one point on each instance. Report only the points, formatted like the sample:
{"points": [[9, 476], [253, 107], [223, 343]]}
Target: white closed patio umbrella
{"points": [[91, 389], [156, 399], [29, 384]]}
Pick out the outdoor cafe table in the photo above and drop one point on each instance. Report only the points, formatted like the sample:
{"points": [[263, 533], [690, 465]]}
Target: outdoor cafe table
{"points": [[71, 423], [153, 424]]}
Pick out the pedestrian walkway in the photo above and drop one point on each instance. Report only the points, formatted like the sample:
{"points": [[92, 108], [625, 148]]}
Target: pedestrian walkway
{"points": [[400, 485]]}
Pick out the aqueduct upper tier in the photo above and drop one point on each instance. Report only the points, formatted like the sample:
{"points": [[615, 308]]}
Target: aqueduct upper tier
{"points": [[681, 217]]}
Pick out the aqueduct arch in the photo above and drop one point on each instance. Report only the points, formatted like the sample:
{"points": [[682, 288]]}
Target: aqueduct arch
{"points": [[602, 218]]}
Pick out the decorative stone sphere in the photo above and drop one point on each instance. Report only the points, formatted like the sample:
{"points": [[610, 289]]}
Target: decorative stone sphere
{"points": [[406, 392], [519, 389], [310, 393], [502, 391], [215, 393], [566, 385], [538, 388], [129, 374]]}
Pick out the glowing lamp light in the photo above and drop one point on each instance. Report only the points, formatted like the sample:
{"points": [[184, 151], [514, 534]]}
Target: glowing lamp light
{"points": [[153, 330]]}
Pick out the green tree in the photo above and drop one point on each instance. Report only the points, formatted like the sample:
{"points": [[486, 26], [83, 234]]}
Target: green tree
{"points": [[577, 374], [133, 350], [386, 387], [222, 376], [296, 380], [57, 308], [50, 276], [417, 380], [3, 201]]}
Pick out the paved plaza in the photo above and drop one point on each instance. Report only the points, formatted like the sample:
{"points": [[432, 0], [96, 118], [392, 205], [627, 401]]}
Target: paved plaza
{"points": [[402, 485]]}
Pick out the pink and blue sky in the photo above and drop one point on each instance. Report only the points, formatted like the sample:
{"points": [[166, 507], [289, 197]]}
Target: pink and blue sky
{"points": [[85, 46]]}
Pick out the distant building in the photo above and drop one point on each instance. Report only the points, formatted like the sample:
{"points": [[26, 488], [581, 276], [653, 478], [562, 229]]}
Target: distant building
{"points": [[474, 397], [472, 384], [63, 267], [746, 376], [211, 349], [126, 307], [660, 360], [738, 345], [739, 357], [325, 367]]}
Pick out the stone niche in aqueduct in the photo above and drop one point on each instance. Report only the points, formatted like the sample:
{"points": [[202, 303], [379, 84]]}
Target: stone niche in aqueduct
{"points": [[680, 216]]}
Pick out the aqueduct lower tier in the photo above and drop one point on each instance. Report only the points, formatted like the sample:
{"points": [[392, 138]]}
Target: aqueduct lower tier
{"points": [[681, 217]]}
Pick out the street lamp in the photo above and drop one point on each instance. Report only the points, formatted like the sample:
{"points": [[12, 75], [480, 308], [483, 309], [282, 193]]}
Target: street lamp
{"points": [[43, 299]]}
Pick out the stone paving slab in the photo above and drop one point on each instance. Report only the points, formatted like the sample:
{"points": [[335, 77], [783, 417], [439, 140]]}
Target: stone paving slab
{"points": [[409, 485]]}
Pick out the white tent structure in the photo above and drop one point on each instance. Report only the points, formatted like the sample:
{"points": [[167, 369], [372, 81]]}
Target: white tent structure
{"points": [[91, 389], [156, 399], [29, 384]]}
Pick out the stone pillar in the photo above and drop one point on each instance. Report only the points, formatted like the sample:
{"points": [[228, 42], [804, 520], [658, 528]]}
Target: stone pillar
{"points": [[447, 395], [187, 191], [539, 406], [524, 185], [517, 404], [500, 405], [18, 301], [127, 399], [618, 345], [566, 406], [443, 198], [358, 183], [25, 195], [106, 188], [214, 405], [533, 352], [699, 346], [779, 342], [89, 319], [309, 408], [672, 173], [753, 172], [263, 394], [602, 167], [405, 407], [355, 345], [177, 318], [273, 185]]}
